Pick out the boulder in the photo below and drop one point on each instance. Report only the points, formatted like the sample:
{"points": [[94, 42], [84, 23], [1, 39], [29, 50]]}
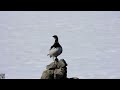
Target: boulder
{"points": [[51, 66], [62, 63], [55, 70], [48, 74], [60, 73]]}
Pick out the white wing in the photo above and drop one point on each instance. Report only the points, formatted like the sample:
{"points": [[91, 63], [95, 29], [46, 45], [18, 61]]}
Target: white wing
{"points": [[55, 51]]}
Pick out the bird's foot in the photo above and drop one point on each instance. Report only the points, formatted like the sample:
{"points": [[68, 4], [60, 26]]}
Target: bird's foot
{"points": [[56, 59]]}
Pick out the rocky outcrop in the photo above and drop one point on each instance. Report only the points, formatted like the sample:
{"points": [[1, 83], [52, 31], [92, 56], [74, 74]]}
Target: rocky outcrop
{"points": [[55, 70]]}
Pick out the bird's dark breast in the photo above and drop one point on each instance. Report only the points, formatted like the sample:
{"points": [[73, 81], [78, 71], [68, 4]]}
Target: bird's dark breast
{"points": [[55, 45]]}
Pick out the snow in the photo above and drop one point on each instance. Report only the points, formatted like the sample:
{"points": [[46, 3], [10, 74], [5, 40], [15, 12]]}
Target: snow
{"points": [[90, 41]]}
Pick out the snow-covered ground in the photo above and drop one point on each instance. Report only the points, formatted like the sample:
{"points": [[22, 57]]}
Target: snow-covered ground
{"points": [[90, 41]]}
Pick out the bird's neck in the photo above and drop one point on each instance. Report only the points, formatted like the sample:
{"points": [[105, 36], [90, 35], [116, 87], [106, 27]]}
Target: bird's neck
{"points": [[56, 40]]}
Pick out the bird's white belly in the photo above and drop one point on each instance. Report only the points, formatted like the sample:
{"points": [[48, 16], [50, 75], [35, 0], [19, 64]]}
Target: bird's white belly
{"points": [[55, 51]]}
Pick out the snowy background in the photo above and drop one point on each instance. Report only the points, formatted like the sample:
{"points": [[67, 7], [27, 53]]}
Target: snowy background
{"points": [[90, 41]]}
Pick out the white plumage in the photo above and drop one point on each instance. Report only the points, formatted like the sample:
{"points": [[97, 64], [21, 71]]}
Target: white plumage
{"points": [[54, 52]]}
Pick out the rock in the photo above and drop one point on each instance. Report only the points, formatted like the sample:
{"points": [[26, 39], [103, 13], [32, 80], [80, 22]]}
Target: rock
{"points": [[60, 73], [51, 66], [55, 70], [62, 63], [48, 74]]}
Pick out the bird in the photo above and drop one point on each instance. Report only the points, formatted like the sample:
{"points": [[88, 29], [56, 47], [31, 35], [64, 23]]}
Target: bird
{"points": [[56, 49]]}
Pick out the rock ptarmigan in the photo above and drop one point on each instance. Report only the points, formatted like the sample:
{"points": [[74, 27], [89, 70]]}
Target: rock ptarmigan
{"points": [[55, 49]]}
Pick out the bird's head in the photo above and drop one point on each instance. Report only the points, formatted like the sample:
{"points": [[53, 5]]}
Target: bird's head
{"points": [[55, 37]]}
